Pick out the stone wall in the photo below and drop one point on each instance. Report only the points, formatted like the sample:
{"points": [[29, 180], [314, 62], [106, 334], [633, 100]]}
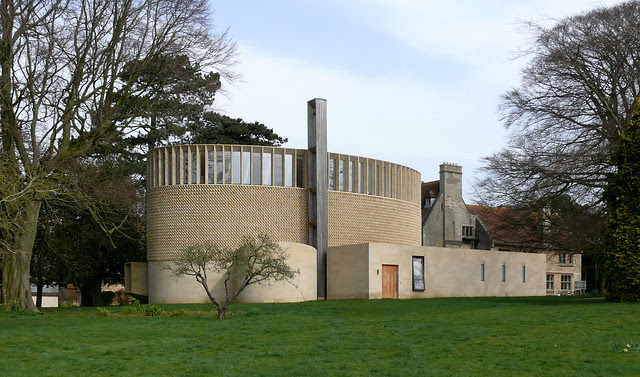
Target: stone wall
{"points": [[572, 268], [164, 288], [447, 272], [448, 217]]}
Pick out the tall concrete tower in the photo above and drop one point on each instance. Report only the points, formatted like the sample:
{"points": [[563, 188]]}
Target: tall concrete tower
{"points": [[318, 187]]}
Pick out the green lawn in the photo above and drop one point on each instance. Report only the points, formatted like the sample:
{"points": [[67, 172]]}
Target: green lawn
{"points": [[565, 336]]}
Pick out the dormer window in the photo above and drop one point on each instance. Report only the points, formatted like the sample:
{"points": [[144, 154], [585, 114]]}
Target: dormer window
{"points": [[565, 258]]}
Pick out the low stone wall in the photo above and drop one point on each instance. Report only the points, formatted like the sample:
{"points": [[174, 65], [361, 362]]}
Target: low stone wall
{"points": [[163, 288], [355, 271]]}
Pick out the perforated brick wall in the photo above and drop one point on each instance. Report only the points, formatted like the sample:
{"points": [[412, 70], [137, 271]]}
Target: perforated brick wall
{"points": [[358, 218], [182, 215]]}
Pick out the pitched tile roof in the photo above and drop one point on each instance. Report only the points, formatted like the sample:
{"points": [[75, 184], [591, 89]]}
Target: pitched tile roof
{"points": [[509, 227], [430, 188]]}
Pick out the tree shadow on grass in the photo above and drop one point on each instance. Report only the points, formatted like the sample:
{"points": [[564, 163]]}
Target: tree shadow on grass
{"points": [[549, 300]]}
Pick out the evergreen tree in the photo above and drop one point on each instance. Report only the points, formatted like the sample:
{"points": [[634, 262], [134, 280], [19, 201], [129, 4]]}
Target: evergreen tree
{"points": [[623, 227], [174, 106], [214, 128], [91, 228]]}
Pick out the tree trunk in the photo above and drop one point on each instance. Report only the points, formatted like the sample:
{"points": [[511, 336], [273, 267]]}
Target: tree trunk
{"points": [[39, 295], [17, 263], [90, 295], [222, 312]]}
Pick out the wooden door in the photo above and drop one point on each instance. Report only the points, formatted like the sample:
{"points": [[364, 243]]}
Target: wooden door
{"points": [[389, 281]]}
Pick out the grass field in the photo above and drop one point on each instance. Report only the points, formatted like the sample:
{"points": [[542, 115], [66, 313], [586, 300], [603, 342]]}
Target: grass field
{"points": [[565, 336]]}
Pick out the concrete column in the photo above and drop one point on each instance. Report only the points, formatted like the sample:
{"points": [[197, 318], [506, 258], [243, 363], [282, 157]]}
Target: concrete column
{"points": [[318, 187]]}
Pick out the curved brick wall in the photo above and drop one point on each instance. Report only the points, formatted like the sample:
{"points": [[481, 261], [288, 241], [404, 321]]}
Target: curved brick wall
{"points": [[358, 218], [183, 215]]}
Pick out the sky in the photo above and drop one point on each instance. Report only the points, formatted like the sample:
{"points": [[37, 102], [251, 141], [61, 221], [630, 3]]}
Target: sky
{"points": [[413, 82]]}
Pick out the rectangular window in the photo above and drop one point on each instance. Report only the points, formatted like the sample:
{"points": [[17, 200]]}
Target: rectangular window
{"points": [[288, 170], [169, 166], [565, 282], [277, 169], [418, 273], [227, 167], [565, 258], [482, 272], [266, 169], [246, 167], [361, 177], [299, 171], [194, 166], [384, 181], [369, 179], [202, 167], [378, 185], [176, 173], [341, 175], [212, 167], [219, 170], [504, 273], [332, 183], [467, 231], [550, 282], [185, 166], [236, 167], [524, 274], [175, 166], [256, 165], [392, 170], [351, 173]]}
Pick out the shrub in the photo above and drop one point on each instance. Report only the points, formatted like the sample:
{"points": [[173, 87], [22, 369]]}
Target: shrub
{"points": [[151, 310], [107, 297], [121, 297], [103, 311], [134, 307], [130, 301]]}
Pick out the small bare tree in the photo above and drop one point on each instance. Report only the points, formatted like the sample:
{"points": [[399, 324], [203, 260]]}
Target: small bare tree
{"points": [[257, 259]]}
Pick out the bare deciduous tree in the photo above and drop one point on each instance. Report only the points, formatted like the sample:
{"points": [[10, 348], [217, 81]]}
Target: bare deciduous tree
{"points": [[61, 93], [566, 118], [574, 102], [255, 261]]}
